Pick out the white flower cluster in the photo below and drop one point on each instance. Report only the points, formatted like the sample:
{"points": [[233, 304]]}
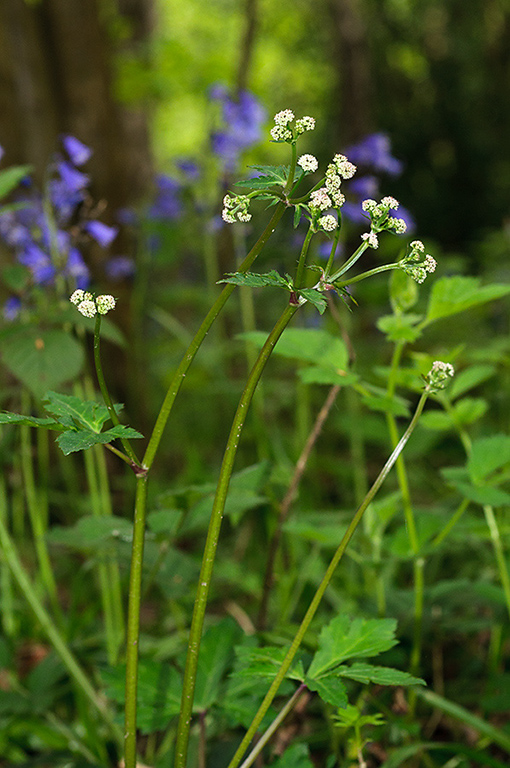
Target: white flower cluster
{"points": [[281, 130], [90, 306], [417, 264], [308, 163], [397, 225], [320, 200], [439, 374], [235, 205], [336, 171], [371, 239], [378, 210], [327, 223]]}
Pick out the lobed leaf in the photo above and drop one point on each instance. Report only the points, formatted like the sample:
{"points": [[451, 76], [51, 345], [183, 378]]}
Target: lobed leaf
{"points": [[256, 280], [367, 673], [451, 295]]}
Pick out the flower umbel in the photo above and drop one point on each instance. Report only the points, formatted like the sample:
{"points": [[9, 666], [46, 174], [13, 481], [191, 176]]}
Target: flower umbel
{"points": [[288, 129], [89, 306], [417, 264], [439, 375], [235, 205]]}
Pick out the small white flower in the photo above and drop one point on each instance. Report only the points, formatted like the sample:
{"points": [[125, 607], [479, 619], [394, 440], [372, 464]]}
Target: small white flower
{"points": [[338, 198], [320, 199], [371, 239], [327, 223], [397, 225], [79, 296], [228, 202], [369, 205], [344, 167], [390, 202], [243, 215], [280, 133], [87, 308], [284, 117], [417, 245], [227, 216], [439, 374], [430, 263], [104, 303], [308, 163], [305, 123]]}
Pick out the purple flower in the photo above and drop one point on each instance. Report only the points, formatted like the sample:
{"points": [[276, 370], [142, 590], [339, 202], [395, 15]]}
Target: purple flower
{"points": [[324, 250], [120, 267], [77, 269], [353, 212], [74, 180], [364, 186], [39, 264], [12, 308], [374, 151], [190, 169], [102, 233], [2, 152], [78, 152], [243, 118], [127, 216], [167, 204]]}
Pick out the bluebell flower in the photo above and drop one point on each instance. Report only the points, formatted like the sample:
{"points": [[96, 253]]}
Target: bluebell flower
{"points": [[103, 234], [77, 152], [74, 180], [12, 308], [120, 268], [324, 249], [374, 151], [77, 269], [190, 169], [39, 263], [167, 204], [243, 118]]}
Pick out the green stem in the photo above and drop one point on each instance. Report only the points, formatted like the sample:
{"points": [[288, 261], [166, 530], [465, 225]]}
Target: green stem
{"points": [[498, 551], [298, 282], [133, 622], [179, 375], [324, 583], [349, 263], [213, 533], [274, 726], [104, 389], [80, 678], [36, 519], [443, 533], [368, 273], [7, 602]]}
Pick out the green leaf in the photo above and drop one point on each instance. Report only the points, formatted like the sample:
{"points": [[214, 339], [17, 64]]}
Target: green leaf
{"points": [[469, 378], [315, 297], [31, 421], [16, 276], [330, 689], [309, 345], [458, 478], [255, 280], [81, 439], [400, 327], [158, 696], [216, 655], [269, 176], [317, 375], [71, 411], [295, 756], [265, 662], [404, 291], [488, 454], [11, 177], [464, 411], [344, 638], [42, 360], [92, 533], [367, 673], [451, 295]]}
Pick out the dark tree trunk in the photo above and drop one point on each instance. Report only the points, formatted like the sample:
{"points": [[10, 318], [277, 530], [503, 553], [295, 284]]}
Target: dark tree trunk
{"points": [[353, 92], [56, 65]]}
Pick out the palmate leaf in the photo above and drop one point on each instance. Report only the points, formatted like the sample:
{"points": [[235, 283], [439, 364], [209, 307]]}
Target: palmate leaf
{"points": [[268, 176], [71, 410], [31, 421], [344, 638], [315, 297], [255, 280], [367, 673], [73, 440], [265, 662], [330, 689]]}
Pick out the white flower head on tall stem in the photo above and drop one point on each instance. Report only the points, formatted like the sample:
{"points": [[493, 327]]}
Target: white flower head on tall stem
{"points": [[308, 163]]}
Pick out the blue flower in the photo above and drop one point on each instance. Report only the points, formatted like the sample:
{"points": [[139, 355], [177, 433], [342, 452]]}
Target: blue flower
{"points": [[77, 269], [243, 118], [374, 151], [103, 234], [120, 268], [39, 264], [77, 152], [12, 308], [74, 180], [167, 204]]}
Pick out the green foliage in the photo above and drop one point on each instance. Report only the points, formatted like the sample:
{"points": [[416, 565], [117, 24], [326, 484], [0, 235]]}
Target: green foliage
{"points": [[451, 295], [11, 177]]}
